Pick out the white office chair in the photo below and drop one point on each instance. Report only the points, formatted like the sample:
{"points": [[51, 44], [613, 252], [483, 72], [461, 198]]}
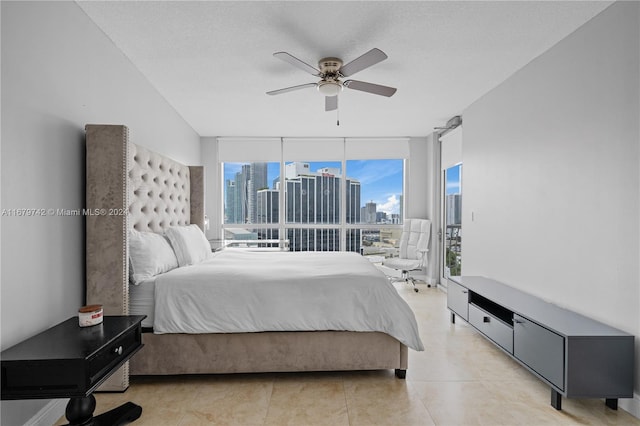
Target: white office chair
{"points": [[414, 245]]}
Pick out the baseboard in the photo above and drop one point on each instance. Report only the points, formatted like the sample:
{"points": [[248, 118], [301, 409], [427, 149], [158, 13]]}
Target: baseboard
{"points": [[631, 405], [49, 414], [431, 281]]}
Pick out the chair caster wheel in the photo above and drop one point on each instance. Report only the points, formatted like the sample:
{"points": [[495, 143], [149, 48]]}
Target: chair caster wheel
{"points": [[415, 289]]}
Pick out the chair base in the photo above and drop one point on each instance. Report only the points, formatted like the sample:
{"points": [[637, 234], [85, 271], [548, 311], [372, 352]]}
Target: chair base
{"points": [[406, 278]]}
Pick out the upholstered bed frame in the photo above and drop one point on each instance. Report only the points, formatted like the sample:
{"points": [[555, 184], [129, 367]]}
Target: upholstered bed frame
{"points": [[131, 187]]}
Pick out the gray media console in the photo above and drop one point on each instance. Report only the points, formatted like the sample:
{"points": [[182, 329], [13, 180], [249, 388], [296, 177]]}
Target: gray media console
{"points": [[576, 356]]}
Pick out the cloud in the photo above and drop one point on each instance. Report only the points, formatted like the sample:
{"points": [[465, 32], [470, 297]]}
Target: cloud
{"points": [[391, 206], [453, 187]]}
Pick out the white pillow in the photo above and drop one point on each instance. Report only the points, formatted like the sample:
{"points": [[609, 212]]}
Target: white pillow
{"points": [[149, 255], [189, 244]]}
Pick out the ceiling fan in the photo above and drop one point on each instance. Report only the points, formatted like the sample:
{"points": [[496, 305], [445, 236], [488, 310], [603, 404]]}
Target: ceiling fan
{"points": [[331, 71]]}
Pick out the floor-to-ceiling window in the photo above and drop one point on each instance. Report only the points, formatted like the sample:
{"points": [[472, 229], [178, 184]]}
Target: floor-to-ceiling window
{"points": [[250, 199], [453, 221], [451, 204], [322, 195], [373, 223]]}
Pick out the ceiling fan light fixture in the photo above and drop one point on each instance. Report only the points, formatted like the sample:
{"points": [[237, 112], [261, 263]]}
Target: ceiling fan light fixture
{"points": [[330, 87]]}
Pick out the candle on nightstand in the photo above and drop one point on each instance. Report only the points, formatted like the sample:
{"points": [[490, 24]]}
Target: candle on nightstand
{"points": [[90, 315]]}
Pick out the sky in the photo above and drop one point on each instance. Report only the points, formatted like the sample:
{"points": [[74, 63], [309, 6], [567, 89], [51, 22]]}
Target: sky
{"points": [[453, 179], [380, 180]]}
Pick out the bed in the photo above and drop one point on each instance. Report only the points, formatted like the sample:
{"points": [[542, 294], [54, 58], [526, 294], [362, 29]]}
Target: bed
{"points": [[130, 188]]}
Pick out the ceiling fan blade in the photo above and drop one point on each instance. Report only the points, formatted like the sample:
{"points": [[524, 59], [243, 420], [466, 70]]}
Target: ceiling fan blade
{"points": [[376, 89], [331, 103], [370, 58], [291, 89], [297, 63]]}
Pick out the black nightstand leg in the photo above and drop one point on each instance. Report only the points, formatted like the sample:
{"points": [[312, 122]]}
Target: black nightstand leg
{"points": [[79, 412], [122, 415]]}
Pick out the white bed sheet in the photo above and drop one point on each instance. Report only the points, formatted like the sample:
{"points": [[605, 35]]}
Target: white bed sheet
{"points": [[142, 300], [242, 291]]}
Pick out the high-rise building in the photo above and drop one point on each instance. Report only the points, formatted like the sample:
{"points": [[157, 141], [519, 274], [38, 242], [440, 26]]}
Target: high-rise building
{"points": [[267, 206], [230, 202], [353, 201], [314, 198], [454, 209], [257, 182], [242, 192], [369, 212], [267, 212], [381, 217]]}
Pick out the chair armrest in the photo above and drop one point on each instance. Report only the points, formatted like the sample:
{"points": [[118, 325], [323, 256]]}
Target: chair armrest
{"points": [[423, 253]]}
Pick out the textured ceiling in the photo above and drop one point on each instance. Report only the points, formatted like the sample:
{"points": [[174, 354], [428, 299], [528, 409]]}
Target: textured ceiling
{"points": [[212, 61]]}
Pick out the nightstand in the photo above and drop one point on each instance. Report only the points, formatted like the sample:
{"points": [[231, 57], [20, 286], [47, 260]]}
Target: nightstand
{"points": [[69, 361]]}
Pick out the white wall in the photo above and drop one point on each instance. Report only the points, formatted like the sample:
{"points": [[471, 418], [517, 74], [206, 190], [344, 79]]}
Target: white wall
{"points": [[551, 160], [451, 149], [417, 187], [422, 194], [60, 72], [213, 186]]}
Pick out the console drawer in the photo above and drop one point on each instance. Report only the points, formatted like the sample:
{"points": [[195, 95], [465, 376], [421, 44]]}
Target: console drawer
{"points": [[540, 349], [495, 329], [458, 299]]}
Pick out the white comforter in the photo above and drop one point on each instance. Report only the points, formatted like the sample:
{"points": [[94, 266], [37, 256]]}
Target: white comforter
{"points": [[241, 291]]}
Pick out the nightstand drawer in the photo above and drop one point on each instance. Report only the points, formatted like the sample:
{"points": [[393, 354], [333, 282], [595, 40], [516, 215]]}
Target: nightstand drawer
{"points": [[113, 355]]}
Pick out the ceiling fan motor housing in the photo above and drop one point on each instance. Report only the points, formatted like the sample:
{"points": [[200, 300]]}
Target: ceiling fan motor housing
{"points": [[330, 84], [329, 66]]}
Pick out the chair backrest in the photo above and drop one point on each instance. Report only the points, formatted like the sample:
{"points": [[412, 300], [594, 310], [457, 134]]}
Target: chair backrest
{"points": [[415, 238]]}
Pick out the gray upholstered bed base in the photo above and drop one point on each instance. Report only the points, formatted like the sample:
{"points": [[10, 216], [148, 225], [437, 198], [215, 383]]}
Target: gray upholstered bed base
{"points": [[142, 190], [267, 352]]}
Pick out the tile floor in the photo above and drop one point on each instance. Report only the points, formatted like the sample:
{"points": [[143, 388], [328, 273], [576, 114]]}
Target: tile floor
{"points": [[460, 379]]}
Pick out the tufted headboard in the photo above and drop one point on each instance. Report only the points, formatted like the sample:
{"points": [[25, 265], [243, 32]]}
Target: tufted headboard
{"points": [[158, 189], [129, 187]]}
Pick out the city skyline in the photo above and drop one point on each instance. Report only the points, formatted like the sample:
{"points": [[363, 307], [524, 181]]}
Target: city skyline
{"points": [[381, 180]]}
